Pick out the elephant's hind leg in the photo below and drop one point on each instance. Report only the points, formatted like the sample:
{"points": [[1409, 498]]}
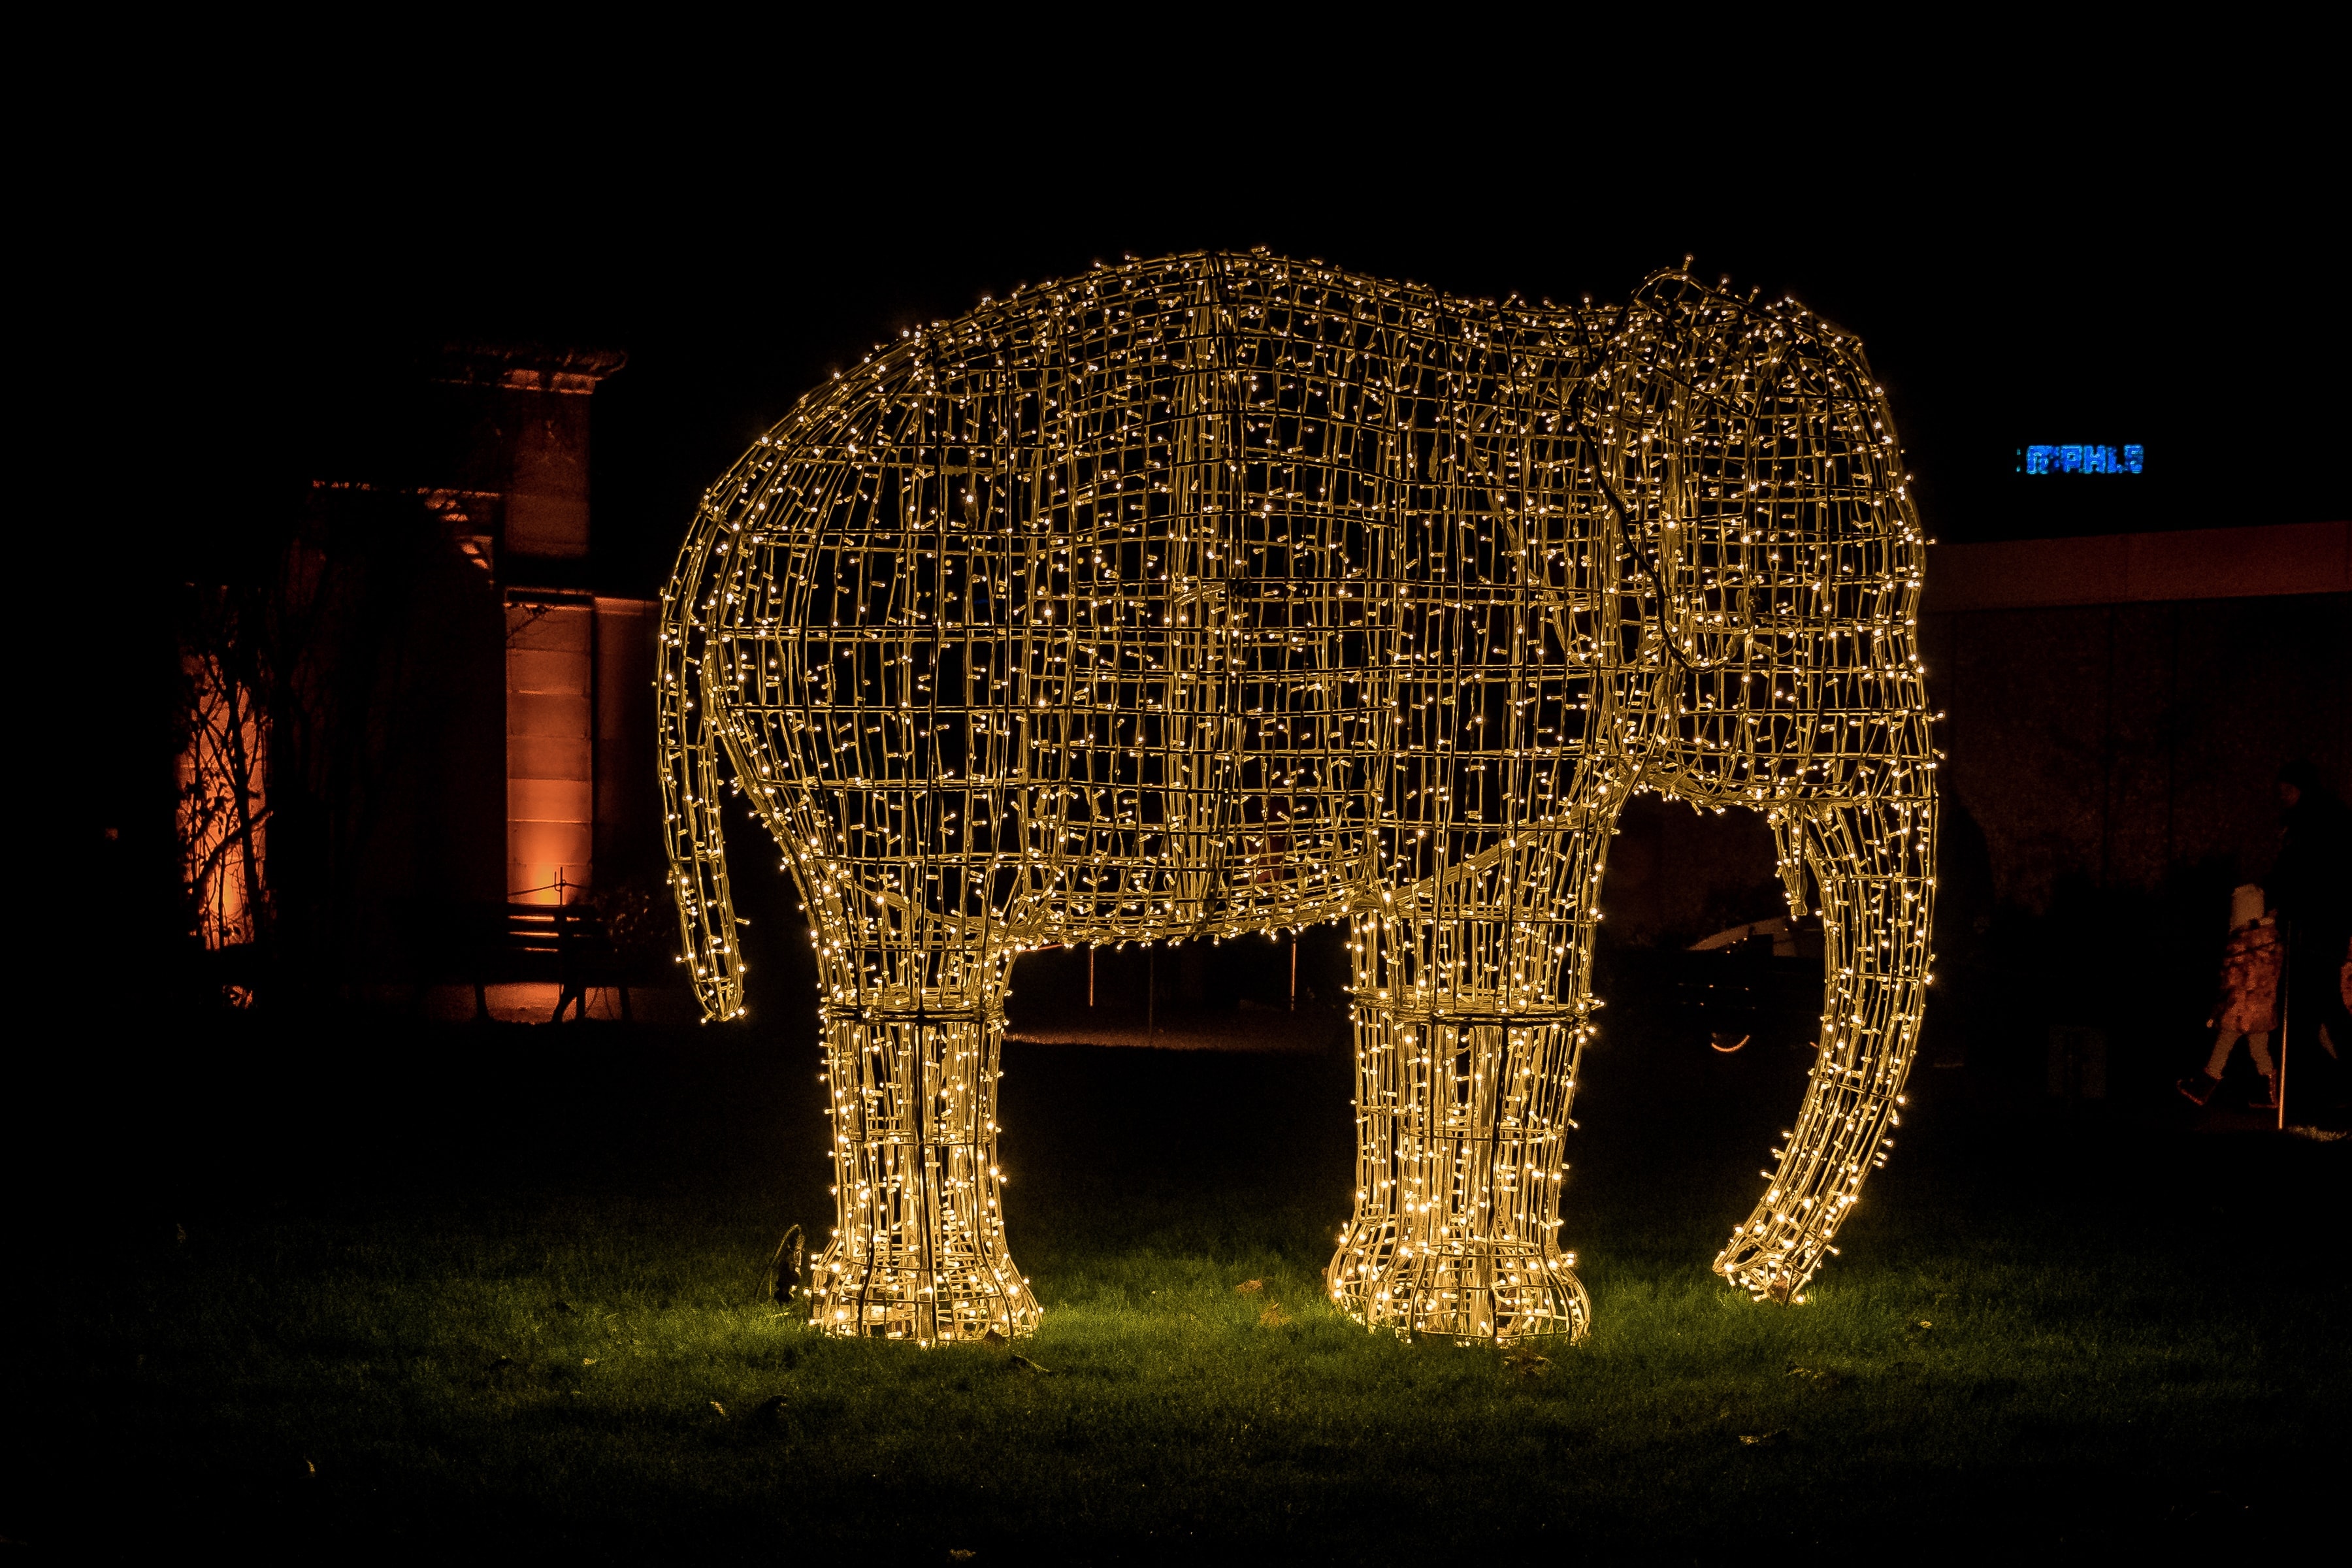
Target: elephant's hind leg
{"points": [[919, 1252], [1870, 861]]}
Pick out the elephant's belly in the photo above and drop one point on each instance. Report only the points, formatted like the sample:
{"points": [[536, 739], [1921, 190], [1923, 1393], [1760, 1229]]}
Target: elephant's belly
{"points": [[1085, 818], [1228, 774], [1164, 761]]}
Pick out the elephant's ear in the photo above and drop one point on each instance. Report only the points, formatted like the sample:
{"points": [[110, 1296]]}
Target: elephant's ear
{"points": [[1743, 440], [1679, 448]]}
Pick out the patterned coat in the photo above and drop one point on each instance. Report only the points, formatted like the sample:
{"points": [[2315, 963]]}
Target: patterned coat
{"points": [[2250, 977]]}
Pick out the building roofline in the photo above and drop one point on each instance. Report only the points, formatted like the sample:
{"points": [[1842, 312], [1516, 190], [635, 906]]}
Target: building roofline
{"points": [[2261, 561], [526, 367]]}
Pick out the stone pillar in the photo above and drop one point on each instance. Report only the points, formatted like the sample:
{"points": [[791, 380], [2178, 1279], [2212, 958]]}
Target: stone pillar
{"points": [[551, 746], [526, 438], [530, 442]]}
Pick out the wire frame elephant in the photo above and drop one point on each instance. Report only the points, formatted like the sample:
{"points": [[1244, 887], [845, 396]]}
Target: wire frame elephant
{"points": [[1221, 594]]}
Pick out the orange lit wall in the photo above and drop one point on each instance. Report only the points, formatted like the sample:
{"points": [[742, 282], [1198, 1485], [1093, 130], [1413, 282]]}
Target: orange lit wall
{"points": [[629, 800], [579, 666], [579, 679], [550, 747]]}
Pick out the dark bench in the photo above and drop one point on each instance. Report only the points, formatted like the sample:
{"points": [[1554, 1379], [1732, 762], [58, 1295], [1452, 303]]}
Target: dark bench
{"points": [[563, 943]]}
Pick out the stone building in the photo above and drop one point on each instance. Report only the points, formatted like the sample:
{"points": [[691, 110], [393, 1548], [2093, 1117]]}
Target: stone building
{"points": [[577, 663], [438, 708]]}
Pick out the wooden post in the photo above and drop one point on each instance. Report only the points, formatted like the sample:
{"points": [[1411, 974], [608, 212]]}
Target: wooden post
{"points": [[2286, 1020]]}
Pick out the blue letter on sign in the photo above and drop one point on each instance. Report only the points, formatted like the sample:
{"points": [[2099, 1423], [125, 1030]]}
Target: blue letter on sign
{"points": [[2081, 460]]}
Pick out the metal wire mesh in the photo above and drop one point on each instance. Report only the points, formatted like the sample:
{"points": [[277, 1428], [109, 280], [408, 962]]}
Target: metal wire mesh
{"points": [[1221, 594]]}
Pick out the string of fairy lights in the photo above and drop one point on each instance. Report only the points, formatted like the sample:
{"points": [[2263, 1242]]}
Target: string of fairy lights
{"points": [[1223, 594]]}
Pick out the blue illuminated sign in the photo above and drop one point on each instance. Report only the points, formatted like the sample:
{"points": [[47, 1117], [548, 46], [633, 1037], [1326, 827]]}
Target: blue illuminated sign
{"points": [[2081, 460]]}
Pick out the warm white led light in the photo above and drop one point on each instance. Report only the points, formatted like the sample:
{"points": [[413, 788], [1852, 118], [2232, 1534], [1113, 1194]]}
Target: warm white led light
{"points": [[1221, 594]]}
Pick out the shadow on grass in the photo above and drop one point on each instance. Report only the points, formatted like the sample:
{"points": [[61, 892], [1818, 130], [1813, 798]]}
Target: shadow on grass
{"points": [[441, 1289]]}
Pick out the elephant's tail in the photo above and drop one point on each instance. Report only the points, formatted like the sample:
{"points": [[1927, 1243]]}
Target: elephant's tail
{"points": [[687, 702]]}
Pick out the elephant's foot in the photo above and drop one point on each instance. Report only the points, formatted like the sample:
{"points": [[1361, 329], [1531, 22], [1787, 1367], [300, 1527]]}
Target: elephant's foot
{"points": [[883, 1298], [1767, 1272], [1492, 1292]]}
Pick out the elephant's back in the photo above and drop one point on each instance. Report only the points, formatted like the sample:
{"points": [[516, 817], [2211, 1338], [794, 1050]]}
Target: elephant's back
{"points": [[1120, 566]]}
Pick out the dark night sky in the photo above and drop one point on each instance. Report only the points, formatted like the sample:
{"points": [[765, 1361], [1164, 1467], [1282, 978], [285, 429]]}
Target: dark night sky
{"points": [[240, 248], [2163, 275]]}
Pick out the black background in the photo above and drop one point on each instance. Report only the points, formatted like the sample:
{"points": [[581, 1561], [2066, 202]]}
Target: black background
{"points": [[240, 251], [2098, 253]]}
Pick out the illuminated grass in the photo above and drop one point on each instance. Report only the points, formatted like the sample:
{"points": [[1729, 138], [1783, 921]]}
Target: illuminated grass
{"points": [[536, 1350]]}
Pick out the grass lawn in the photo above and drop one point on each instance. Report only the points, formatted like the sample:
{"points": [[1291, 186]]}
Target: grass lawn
{"points": [[399, 1290]]}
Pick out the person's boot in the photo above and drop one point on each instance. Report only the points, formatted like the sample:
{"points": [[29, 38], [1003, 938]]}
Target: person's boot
{"points": [[2197, 1091], [2268, 1099]]}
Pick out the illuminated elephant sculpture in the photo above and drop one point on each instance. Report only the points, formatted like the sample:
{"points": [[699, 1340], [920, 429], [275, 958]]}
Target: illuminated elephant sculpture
{"points": [[1221, 594]]}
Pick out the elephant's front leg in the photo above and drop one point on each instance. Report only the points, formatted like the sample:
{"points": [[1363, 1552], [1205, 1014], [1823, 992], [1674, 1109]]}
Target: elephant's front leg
{"points": [[1466, 1062], [1872, 862], [919, 1250]]}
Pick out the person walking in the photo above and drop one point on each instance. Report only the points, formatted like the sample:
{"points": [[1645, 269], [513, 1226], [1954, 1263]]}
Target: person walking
{"points": [[571, 961], [2249, 1004]]}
